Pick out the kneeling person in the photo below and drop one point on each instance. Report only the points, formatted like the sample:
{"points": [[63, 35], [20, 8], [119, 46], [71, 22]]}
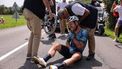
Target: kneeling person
{"points": [[75, 45]]}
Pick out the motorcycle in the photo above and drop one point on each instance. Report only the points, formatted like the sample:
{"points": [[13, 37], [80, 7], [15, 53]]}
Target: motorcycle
{"points": [[101, 21]]}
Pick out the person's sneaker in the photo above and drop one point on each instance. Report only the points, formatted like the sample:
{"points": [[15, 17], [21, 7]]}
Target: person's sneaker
{"points": [[30, 60], [40, 61], [115, 40], [90, 56], [53, 67]]}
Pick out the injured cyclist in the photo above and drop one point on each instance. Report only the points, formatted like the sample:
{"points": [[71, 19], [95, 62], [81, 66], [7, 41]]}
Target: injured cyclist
{"points": [[73, 49]]}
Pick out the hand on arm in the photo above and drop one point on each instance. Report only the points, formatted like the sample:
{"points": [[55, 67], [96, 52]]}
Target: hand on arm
{"points": [[77, 43], [81, 40]]}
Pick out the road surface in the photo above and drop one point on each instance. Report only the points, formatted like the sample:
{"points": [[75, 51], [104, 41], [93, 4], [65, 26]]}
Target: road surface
{"points": [[13, 49]]}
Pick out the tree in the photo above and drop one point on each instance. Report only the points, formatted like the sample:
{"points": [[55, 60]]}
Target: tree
{"points": [[2, 9]]}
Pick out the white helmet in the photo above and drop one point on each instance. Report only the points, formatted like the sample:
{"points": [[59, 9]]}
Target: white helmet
{"points": [[73, 18]]}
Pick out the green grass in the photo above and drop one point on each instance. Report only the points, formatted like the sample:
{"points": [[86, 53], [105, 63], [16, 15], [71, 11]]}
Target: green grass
{"points": [[110, 33], [86, 1], [11, 22]]}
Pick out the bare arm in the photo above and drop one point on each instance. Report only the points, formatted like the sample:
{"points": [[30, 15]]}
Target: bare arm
{"points": [[85, 14], [51, 3], [80, 42], [115, 9], [47, 4], [77, 43]]}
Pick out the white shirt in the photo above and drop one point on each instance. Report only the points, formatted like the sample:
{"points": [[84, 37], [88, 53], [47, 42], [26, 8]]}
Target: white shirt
{"points": [[62, 5], [78, 9], [119, 10]]}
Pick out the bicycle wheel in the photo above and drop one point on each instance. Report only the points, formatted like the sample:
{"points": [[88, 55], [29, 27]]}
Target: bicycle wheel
{"points": [[50, 25]]}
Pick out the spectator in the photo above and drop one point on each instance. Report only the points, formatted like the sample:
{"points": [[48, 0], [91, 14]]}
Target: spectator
{"points": [[115, 14], [34, 12], [1, 20], [63, 21], [118, 9]]}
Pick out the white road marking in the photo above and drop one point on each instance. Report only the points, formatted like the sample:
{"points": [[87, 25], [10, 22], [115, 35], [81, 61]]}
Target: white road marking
{"points": [[16, 49], [13, 51]]}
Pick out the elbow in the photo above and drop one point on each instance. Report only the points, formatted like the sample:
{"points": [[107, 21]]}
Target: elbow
{"points": [[80, 46], [87, 12]]}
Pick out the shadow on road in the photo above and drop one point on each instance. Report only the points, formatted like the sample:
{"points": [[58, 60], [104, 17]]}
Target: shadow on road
{"points": [[103, 35], [47, 42], [63, 37], [29, 65], [119, 45], [83, 64]]}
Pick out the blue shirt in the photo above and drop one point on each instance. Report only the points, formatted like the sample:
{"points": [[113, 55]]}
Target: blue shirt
{"points": [[82, 36]]}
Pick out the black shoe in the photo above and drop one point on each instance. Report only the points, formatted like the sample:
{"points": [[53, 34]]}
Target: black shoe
{"points": [[90, 57]]}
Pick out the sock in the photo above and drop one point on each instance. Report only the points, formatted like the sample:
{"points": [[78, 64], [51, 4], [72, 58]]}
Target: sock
{"points": [[60, 65], [47, 57]]}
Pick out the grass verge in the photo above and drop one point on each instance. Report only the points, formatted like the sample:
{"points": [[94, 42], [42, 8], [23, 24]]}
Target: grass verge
{"points": [[11, 22], [110, 33]]}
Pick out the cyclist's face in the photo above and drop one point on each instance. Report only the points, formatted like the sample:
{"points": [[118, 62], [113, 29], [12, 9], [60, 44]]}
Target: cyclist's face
{"points": [[72, 26]]}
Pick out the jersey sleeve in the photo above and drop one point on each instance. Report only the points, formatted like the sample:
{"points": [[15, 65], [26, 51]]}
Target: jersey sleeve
{"points": [[84, 36]]}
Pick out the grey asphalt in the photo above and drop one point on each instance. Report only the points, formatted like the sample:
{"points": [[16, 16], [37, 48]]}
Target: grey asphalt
{"points": [[108, 53]]}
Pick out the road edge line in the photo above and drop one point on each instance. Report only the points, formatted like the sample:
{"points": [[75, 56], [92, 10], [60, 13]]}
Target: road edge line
{"points": [[13, 51]]}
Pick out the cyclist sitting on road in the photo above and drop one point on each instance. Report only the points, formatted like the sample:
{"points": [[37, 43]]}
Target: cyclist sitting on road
{"points": [[75, 45], [88, 20]]}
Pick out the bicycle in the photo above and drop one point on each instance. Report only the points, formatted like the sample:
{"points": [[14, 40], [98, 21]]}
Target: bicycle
{"points": [[49, 26]]}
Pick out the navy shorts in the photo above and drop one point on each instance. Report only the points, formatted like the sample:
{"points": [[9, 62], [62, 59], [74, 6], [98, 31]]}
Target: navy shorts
{"points": [[65, 52]]}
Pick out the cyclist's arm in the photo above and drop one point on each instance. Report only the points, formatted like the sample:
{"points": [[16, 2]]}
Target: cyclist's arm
{"points": [[78, 44], [81, 41]]}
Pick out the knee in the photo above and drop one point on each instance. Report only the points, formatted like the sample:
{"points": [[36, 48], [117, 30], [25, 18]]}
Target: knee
{"points": [[56, 46], [77, 56]]}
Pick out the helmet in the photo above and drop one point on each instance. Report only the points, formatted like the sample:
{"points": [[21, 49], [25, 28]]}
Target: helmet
{"points": [[73, 18]]}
